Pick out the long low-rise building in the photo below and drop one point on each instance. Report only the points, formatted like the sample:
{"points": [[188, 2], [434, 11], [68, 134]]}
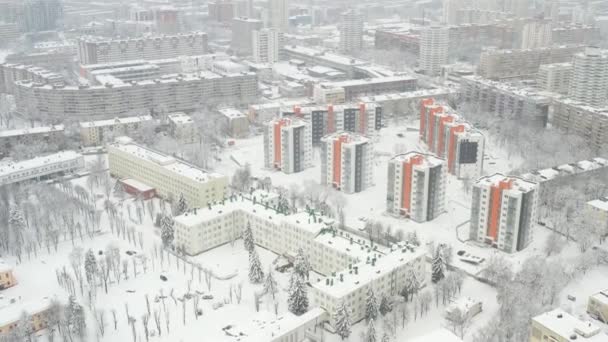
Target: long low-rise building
{"points": [[351, 264], [558, 325], [524, 105], [590, 123], [94, 133], [11, 73], [40, 168], [36, 135], [183, 92], [170, 177], [94, 50], [367, 87]]}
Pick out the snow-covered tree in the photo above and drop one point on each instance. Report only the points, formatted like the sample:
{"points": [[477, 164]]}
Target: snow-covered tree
{"points": [[412, 284], [370, 335], [248, 238], [167, 230], [90, 265], [75, 317], [343, 323], [371, 306], [256, 275], [437, 267], [386, 305], [553, 244], [298, 295], [301, 264], [270, 284], [182, 205]]}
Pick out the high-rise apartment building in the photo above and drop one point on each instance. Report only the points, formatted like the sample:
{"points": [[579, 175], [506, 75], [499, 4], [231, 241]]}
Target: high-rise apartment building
{"points": [[97, 50], [503, 212], [554, 77], [278, 14], [347, 162], [242, 34], [221, 10], [434, 42], [288, 145], [536, 34], [589, 83], [351, 31], [364, 118], [40, 15], [449, 137], [267, 44], [416, 186]]}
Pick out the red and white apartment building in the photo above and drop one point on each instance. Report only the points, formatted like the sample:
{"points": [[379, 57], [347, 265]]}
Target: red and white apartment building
{"points": [[287, 145], [449, 137], [347, 161], [416, 186], [503, 211]]}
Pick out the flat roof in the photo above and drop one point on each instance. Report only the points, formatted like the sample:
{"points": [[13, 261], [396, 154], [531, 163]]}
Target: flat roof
{"points": [[12, 312], [566, 325], [601, 204], [518, 183], [115, 121], [33, 130], [7, 168], [273, 330], [170, 163], [428, 159], [180, 118], [136, 184]]}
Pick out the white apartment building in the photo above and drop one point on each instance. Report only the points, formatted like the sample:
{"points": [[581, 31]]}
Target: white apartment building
{"points": [[170, 177], [597, 211], [183, 92], [416, 186], [54, 134], [40, 168], [555, 77], [560, 326], [183, 128], [351, 31], [93, 133], [385, 273], [288, 328], [278, 14], [328, 94], [242, 34], [434, 42], [235, 122], [288, 145], [536, 34], [95, 50], [267, 44], [347, 161], [503, 212], [589, 83]]}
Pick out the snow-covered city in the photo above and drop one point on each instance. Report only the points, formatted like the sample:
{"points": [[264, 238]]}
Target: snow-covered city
{"points": [[304, 170]]}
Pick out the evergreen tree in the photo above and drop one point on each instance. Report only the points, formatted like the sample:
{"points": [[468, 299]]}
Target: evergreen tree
{"points": [[270, 284], [386, 305], [342, 319], [166, 230], [90, 265], [248, 238], [301, 264], [370, 336], [371, 306], [75, 317], [411, 285], [256, 275], [17, 223], [437, 267], [182, 205], [298, 295]]}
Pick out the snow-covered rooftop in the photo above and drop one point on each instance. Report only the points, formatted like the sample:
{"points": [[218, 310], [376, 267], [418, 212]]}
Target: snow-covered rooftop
{"points": [[7, 168], [232, 113], [566, 169], [518, 184], [601, 204], [349, 280], [428, 160], [408, 95], [116, 121], [12, 312], [566, 326], [601, 297], [179, 118], [274, 330], [348, 138], [4, 267], [368, 81], [33, 130], [170, 163], [136, 184]]}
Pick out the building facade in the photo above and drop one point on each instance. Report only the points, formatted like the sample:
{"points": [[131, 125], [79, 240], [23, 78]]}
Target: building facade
{"points": [[537, 34], [597, 306], [589, 84], [183, 128], [351, 31], [434, 42], [449, 137], [416, 186], [588, 122], [170, 177], [93, 133], [554, 77], [347, 162], [503, 212], [7, 278], [41, 168], [54, 135], [95, 50], [235, 122], [278, 14], [242, 34], [267, 45], [288, 145]]}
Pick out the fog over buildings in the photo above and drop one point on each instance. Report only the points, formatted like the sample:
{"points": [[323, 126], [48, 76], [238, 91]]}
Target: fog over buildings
{"points": [[303, 170]]}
